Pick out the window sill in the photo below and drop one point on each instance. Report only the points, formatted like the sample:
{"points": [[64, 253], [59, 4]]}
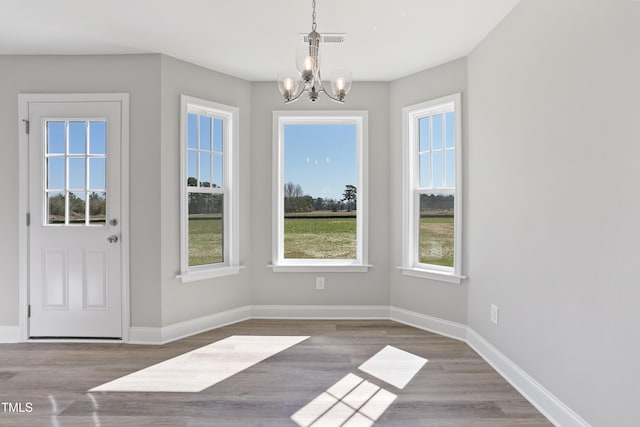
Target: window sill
{"points": [[320, 268], [194, 276], [432, 274]]}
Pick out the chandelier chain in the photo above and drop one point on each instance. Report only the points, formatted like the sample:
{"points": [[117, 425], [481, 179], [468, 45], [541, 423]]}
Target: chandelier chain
{"points": [[313, 16]]}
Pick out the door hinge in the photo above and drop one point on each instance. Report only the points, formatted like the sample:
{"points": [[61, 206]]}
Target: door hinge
{"points": [[29, 310], [28, 219], [26, 125]]}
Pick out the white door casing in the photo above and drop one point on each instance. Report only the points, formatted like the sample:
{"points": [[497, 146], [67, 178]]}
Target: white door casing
{"points": [[77, 257]]}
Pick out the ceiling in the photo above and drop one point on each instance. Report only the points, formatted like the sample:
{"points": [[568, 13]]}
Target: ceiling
{"points": [[255, 39]]}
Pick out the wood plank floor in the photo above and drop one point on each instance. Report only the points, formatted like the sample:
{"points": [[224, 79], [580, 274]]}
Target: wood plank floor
{"points": [[455, 388]]}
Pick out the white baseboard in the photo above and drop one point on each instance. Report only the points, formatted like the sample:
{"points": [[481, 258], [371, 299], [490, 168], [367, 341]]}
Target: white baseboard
{"points": [[163, 335], [439, 326], [144, 335], [549, 405], [335, 312], [9, 334]]}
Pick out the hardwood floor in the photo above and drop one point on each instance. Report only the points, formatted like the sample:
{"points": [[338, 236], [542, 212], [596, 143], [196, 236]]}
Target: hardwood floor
{"points": [[454, 388]]}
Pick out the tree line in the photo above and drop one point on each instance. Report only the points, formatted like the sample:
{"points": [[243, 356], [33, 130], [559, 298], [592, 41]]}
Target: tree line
{"points": [[437, 202], [77, 206], [295, 201], [204, 203]]}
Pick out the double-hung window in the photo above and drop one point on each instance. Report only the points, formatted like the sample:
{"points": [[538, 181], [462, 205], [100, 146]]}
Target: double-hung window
{"points": [[320, 191], [209, 206], [432, 193]]}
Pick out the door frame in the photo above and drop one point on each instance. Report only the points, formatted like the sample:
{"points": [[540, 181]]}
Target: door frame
{"points": [[23, 188]]}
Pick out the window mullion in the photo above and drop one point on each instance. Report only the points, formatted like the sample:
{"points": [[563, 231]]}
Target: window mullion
{"points": [[198, 150], [211, 155], [416, 184], [430, 183], [87, 173], [415, 161], [66, 173], [444, 149], [415, 230]]}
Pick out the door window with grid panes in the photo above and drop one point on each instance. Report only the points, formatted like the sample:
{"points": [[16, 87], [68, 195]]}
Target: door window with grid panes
{"points": [[75, 162]]}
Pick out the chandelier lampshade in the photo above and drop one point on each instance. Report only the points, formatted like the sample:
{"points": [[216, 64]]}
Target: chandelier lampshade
{"points": [[341, 83]]}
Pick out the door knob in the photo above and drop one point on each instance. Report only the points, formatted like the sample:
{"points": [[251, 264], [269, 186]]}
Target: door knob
{"points": [[112, 239]]}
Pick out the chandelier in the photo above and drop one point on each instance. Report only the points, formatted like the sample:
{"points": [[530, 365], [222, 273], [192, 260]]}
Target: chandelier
{"points": [[308, 79]]}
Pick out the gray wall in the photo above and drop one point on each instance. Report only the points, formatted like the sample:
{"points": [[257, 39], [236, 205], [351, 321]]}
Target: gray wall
{"points": [[444, 300], [369, 288], [154, 83], [553, 209], [138, 75], [192, 300]]}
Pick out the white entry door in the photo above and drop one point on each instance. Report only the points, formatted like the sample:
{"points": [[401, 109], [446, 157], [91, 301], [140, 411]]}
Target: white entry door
{"points": [[75, 253]]}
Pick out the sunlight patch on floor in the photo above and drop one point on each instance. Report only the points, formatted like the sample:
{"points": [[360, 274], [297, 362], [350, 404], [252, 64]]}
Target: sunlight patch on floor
{"points": [[394, 366], [201, 368], [356, 402], [352, 401]]}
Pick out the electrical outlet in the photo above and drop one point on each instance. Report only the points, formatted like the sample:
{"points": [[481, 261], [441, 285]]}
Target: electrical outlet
{"points": [[320, 283], [494, 313]]}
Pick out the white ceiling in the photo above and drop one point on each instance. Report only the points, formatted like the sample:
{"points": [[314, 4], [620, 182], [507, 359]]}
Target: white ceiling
{"points": [[254, 39]]}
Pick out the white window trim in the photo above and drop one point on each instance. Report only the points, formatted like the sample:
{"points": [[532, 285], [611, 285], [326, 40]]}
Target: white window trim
{"points": [[410, 221], [360, 264], [231, 264]]}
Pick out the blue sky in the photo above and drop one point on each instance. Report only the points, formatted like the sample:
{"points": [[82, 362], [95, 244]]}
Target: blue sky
{"points": [[436, 143], [214, 176], [320, 158], [56, 145]]}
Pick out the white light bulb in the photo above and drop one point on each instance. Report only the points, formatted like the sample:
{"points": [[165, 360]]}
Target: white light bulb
{"points": [[308, 63], [288, 83], [341, 84]]}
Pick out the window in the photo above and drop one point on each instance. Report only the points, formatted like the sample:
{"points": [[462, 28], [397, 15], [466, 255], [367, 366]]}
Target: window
{"points": [[75, 162], [320, 191], [209, 208], [432, 190]]}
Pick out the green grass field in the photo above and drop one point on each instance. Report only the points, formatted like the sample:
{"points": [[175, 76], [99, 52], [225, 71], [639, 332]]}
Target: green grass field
{"points": [[205, 240], [327, 238], [436, 241]]}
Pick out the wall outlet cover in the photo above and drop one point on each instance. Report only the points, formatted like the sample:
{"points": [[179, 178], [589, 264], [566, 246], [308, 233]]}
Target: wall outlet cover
{"points": [[494, 313]]}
